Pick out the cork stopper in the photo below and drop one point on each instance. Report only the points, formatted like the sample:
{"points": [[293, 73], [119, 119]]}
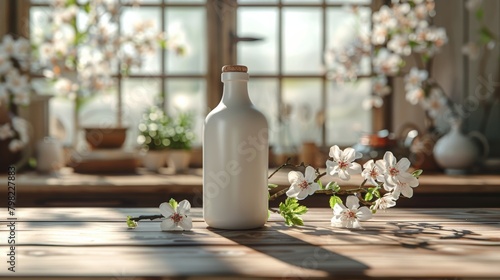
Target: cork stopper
{"points": [[234, 68]]}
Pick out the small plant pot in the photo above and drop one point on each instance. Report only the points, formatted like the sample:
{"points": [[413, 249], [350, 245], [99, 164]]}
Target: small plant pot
{"points": [[178, 160], [105, 138], [154, 160]]}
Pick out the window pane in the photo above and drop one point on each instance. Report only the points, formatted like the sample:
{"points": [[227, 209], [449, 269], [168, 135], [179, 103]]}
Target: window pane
{"points": [[365, 2], [186, 1], [302, 1], [302, 35], [343, 27], [257, 1], [303, 98], [264, 95], [188, 95], [346, 118], [133, 16], [138, 95], [259, 56], [187, 26]]}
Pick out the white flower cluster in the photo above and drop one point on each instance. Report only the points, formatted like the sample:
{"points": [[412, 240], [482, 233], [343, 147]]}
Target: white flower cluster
{"points": [[386, 173], [14, 85], [15, 88], [398, 31], [84, 45]]}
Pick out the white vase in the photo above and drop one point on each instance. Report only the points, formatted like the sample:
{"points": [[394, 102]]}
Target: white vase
{"points": [[178, 160], [456, 152], [154, 160], [50, 155], [235, 158]]}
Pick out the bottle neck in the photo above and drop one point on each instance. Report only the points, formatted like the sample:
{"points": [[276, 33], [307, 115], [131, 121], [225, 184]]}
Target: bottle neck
{"points": [[235, 89]]}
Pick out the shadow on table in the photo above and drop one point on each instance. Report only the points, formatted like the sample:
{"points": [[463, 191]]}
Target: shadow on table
{"points": [[306, 259]]}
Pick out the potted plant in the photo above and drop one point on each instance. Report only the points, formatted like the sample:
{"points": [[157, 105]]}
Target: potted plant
{"points": [[179, 138], [152, 137]]}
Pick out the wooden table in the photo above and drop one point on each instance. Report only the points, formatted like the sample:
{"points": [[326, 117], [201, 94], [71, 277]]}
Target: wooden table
{"points": [[409, 243]]}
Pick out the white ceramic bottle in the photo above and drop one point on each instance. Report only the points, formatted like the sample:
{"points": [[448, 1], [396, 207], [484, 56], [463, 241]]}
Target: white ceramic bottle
{"points": [[235, 158]]}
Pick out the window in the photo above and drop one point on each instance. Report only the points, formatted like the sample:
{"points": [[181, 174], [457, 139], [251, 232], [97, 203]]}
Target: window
{"points": [[288, 80], [287, 68], [179, 80]]}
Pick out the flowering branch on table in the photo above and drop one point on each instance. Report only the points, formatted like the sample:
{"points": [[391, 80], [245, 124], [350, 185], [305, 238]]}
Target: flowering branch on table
{"points": [[385, 181], [385, 175]]}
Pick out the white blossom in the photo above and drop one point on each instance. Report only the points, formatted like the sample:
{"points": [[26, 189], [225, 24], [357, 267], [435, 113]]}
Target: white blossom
{"points": [[350, 216], [371, 172], [16, 145], [387, 63], [404, 188], [399, 44], [302, 186], [379, 86], [342, 163], [472, 50], [6, 131], [8, 45], [472, 5], [394, 171], [415, 95], [434, 103], [385, 17], [372, 101], [387, 201], [176, 219], [415, 78], [5, 62]]}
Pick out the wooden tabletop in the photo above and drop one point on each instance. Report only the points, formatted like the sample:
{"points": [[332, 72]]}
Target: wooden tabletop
{"points": [[409, 243]]}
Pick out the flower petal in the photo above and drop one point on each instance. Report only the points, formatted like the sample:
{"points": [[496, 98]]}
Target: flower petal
{"points": [[407, 191], [344, 175], [166, 209], [186, 223], [355, 168], [349, 154], [302, 194], [403, 164], [293, 176], [293, 191], [183, 207], [338, 208], [335, 153], [330, 167], [389, 159], [364, 214], [310, 174], [167, 224], [352, 202], [369, 164], [312, 188]]}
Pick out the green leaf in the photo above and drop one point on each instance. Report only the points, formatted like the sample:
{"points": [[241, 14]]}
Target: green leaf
{"points": [[320, 185], [376, 193], [479, 14], [290, 211], [334, 200], [173, 203], [333, 186], [368, 196], [300, 210], [485, 35], [272, 186], [417, 173], [131, 223], [86, 7]]}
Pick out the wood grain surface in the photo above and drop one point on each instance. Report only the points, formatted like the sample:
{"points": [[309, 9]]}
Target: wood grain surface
{"points": [[398, 243]]}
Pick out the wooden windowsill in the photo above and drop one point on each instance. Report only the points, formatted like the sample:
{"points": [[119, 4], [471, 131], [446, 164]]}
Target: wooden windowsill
{"points": [[74, 188]]}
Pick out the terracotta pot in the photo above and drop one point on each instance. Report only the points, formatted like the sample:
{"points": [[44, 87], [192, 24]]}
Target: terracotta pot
{"points": [[105, 138]]}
